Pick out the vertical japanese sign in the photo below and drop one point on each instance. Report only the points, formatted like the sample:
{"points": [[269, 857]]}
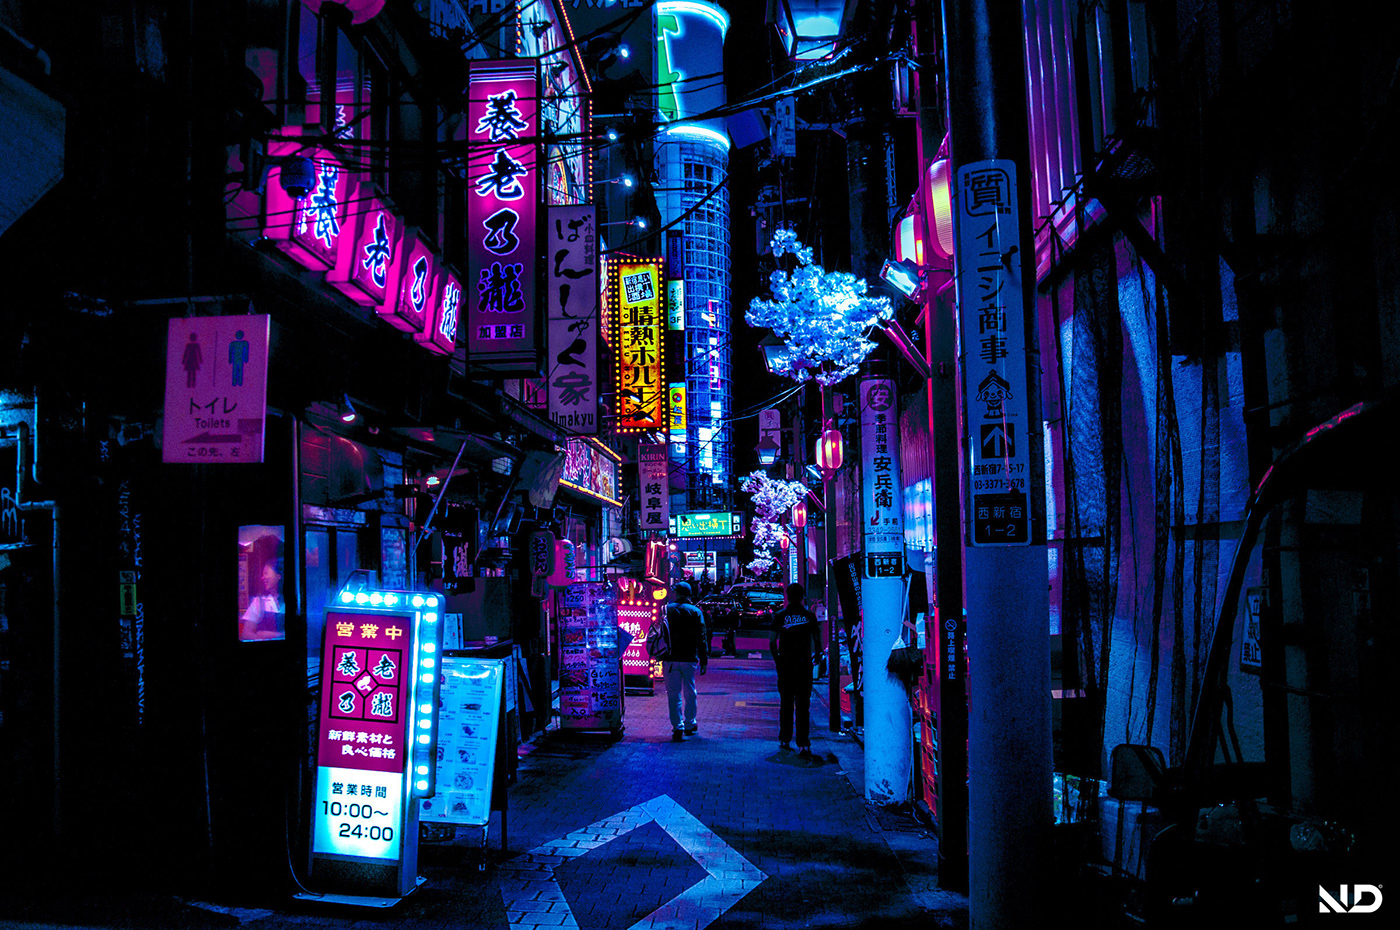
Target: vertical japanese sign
{"points": [[215, 389], [993, 339], [882, 492], [363, 741], [635, 296], [590, 673], [365, 268], [309, 228], [504, 329], [376, 733], [572, 295], [654, 493]]}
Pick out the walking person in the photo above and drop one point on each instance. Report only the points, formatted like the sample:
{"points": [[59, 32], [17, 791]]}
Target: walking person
{"points": [[796, 639], [690, 649]]}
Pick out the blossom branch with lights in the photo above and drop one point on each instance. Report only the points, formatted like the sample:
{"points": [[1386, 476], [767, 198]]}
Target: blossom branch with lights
{"points": [[823, 317], [772, 498]]}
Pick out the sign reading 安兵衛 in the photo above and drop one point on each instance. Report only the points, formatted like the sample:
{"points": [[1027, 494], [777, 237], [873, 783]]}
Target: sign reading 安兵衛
{"points": [[992, 327], [882, 492], [215, 389]]}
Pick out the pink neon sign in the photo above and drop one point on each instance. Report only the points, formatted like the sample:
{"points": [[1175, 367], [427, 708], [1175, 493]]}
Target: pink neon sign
{"points": [[504, 332], [309, 228], [366, 267], [411, 305], [440, 336]]}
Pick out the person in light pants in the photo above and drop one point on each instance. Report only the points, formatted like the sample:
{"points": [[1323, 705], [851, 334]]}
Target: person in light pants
{"points": [[690, 650]]}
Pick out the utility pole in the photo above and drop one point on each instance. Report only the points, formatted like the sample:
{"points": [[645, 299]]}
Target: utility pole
{"points": [[888, 715], [949, 626], [1009, 758]]}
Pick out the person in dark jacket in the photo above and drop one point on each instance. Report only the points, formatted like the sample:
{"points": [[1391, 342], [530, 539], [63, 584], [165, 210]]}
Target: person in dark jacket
{"points": [[690, 650], [796, 639]]}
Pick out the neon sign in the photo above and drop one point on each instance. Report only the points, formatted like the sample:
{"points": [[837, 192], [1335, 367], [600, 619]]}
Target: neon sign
{"points": [[503, 319]]}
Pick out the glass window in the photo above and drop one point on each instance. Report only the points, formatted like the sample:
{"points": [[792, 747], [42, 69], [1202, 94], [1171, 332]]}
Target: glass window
{"points": [[261, 607]]}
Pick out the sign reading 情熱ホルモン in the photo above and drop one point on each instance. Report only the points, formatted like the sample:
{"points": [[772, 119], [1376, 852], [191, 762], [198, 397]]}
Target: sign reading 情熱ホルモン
{"points": [[215, 389]]}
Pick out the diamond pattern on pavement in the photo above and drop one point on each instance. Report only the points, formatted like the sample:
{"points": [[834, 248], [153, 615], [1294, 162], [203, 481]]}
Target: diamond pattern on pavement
{"points": [[533, 898]]}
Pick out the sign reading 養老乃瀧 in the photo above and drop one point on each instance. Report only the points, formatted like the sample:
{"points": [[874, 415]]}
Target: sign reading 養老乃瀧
{"points": [[215, 389], [504, 329]]}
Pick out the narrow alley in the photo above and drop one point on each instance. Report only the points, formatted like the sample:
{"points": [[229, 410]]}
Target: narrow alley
{"points": [[724, 830]]}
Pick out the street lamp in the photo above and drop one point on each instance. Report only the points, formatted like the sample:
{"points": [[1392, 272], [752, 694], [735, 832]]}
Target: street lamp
{"points": [[767, 450], [799, 514], [639, 222], [772, 348]]}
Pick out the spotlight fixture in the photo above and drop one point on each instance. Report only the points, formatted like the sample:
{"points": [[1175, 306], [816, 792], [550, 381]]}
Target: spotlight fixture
{"points": [[347, 410], [902, 275]]}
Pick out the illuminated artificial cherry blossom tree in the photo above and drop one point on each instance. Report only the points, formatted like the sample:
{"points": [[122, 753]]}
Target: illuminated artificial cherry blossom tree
{"points": [[772, 498], [823, 317]]}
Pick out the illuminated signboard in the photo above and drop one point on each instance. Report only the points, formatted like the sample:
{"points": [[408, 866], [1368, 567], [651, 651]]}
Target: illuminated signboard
{"points": [[590, 668], [654, 497], [882, 492], [675, 304], [504, 309], [440, 336], [689, 40], [678, 411], [309, 228], [591, 468], [412, 304], [368, 260], [572, 295], [694, 525], [469, 721], [215, 389], [635, 299], [376, 735], [637, 610]]}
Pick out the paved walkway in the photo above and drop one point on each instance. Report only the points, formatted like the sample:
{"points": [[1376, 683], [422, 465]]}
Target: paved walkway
{"points": [[723, 831]]}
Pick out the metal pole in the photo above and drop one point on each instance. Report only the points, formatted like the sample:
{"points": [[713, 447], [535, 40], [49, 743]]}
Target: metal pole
{"points": [[949, 627], [1009, 755], [833, 646]]}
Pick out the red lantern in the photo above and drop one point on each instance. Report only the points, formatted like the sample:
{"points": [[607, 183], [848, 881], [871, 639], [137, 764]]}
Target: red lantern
{"points": [[799, 514], [784, 542], [361, 11], [829, 450]]}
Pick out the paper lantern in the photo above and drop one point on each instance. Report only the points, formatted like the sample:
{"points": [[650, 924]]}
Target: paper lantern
{"points": [[361, 11]]}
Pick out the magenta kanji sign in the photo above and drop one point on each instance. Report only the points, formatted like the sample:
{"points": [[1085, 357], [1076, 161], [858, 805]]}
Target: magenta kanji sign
{"points": [[309, 228], [504, 330], [441, 335], [364, 692], [366, 268], [413, 302]]}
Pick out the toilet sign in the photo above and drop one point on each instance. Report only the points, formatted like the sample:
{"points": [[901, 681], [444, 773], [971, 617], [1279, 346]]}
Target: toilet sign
{"points": [[215, 389]]}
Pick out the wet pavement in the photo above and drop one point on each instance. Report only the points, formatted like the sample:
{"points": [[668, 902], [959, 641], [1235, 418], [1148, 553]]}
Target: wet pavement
{"points": [[724, 830]]}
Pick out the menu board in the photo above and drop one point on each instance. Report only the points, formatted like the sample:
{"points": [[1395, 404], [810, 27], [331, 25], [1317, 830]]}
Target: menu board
{"points": [[590, 666], [469, 705]]}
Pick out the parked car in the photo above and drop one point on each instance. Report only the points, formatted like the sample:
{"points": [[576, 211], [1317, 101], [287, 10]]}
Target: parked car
{"points": [[746, 609]]}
